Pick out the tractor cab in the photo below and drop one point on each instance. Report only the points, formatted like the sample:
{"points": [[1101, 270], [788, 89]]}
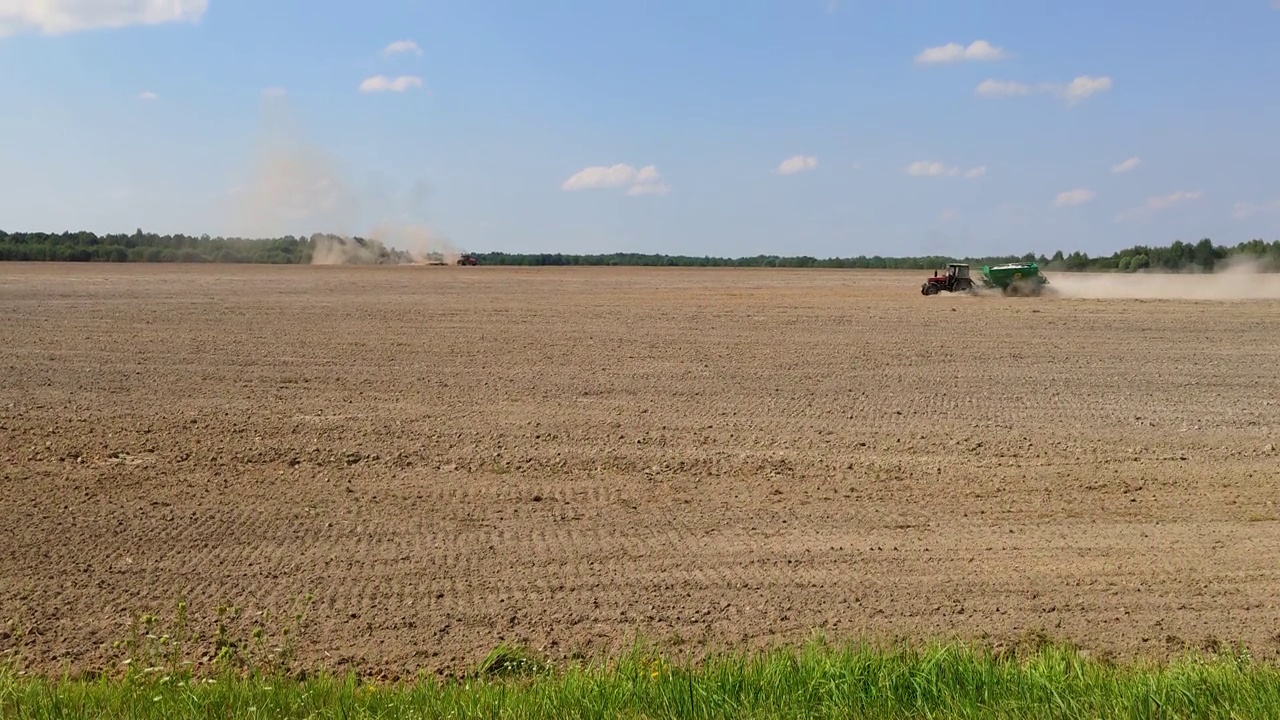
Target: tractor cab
{"points": [[956, 280], [955, 271]]}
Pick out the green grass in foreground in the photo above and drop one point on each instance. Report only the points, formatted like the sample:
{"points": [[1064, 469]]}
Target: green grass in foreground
{"points": [[817, 681]]}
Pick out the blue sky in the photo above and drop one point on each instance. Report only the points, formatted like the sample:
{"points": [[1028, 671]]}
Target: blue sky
{"points": [[820, 127]]}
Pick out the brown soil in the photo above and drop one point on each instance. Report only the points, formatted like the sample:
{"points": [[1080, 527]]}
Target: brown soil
{"points": [[449, 458]]}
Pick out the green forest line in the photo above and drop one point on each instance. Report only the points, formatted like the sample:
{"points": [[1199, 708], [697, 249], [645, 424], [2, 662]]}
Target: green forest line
{"points": [[152, 247]]}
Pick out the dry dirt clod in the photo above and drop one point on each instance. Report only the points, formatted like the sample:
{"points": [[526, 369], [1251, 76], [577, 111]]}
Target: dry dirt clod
{"points": [[787, 421]]}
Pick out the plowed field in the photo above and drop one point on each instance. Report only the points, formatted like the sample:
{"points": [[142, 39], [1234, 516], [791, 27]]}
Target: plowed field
{"points": [[444, 459]]}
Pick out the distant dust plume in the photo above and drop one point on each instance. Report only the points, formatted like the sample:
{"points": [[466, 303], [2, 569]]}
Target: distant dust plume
{"points": [[1236, 279], [419, 243], [339, 250], [292, 185]]}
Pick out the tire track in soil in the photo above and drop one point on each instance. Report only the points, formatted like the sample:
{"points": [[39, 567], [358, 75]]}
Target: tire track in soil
{"points": [[564, 458]]}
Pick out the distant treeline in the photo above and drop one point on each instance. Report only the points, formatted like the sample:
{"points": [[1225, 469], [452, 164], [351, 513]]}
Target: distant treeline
{"points": [[1179, 256], [151, 247]]}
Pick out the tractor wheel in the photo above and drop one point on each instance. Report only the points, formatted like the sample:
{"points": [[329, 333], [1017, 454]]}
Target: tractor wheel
{"points": [[928, 289], [963, 285], [1015, 286]]}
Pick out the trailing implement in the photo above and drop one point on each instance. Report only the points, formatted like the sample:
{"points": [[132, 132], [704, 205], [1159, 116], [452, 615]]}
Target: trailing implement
{"points": [[1015, 278]]}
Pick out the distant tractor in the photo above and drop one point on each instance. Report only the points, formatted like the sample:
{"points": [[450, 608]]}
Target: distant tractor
{"points": [[1022, 278], [468, 260], [956, 280]]}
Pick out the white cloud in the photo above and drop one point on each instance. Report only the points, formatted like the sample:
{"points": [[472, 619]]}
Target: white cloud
{"points": [[1126, 166], [924, 168], [928, 168], [1275, 4], [1243, 210], [978, 50], [1164, 201], [999, 88], [600, 176], [273, 92], [402, 46], [1073, 92], [148, 95], [382, 83], [1160, 202], [645, 181], [59, 17], [1071, 198], [1084, 86], [647, 174], [796, 163]]}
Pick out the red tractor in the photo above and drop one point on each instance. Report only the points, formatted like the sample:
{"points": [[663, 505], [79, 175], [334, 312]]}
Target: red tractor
{"points": [[956, 280], [468, 260]]}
